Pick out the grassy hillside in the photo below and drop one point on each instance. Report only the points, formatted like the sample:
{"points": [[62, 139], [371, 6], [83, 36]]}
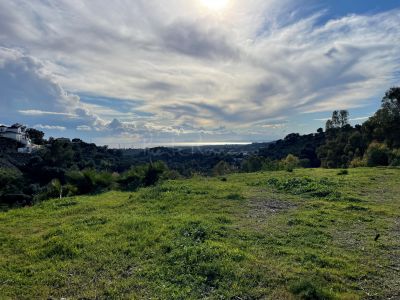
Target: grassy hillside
{"points": [[308, 234]]}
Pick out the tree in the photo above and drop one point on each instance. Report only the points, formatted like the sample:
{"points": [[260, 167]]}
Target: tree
{"points": [[384, 125], [343, 118], [329, 125], [391, 101], [36, 136], [335, 119]]}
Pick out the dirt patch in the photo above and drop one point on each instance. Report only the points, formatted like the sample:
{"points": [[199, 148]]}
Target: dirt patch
{"points": [[262, 207]]}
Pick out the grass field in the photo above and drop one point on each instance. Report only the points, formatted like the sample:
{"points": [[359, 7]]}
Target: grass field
{"points": [[309, 234]]}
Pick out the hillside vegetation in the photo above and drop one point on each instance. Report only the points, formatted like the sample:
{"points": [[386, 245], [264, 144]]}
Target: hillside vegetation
{"points": [[307, 234]]}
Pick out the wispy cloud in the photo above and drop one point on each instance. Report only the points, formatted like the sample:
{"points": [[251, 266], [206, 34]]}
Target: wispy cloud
{"points": [[360, 118], [35, 112], [50, 127], [83, 128], [252, 63]]}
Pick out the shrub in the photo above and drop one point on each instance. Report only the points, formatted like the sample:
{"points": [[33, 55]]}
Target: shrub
{"points": [[252, 164], [131, 180], [11, 186], [395, 158], [91, 181], [377, 155], [145, 175], [343, 172], [358, 163], [155, 172], [291, 162]]}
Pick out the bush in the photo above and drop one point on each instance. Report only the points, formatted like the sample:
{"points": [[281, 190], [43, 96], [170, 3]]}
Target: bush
{"points": [[377, 155], [90, 181], [145, 175], [358, 163], [11, 186], [291, 162], [133, 179], [155, 172], [395, 158], [252, 164]]}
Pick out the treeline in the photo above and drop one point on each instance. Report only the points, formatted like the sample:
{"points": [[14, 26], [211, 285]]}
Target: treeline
{"points": [[374, 143]]}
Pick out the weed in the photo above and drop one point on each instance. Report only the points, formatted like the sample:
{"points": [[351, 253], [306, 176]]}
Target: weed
{"points": [[343, 172], [322, 188], [309, 290], [234, 196]]}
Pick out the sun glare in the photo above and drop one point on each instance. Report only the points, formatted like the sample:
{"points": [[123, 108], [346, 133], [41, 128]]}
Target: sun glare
{"points": [[215, 5]]}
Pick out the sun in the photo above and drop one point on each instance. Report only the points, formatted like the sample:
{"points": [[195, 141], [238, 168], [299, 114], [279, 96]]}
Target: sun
{"points": [[215, 5]]}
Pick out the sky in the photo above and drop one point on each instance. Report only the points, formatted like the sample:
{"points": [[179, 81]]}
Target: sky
{"points": [[139, 73]]}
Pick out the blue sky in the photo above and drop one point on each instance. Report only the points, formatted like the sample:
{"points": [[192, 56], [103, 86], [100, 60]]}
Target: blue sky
{"points": [[148, 72]]}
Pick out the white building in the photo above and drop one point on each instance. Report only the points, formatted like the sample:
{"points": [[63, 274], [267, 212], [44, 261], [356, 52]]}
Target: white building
{"points": [[17, 132]]}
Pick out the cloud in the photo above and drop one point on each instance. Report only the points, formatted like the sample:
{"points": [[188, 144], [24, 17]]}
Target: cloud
{"points": [[83, 128], [30, 89], [35, 112], [198, 40], [360, 118], [255, 62], [50, 127]]}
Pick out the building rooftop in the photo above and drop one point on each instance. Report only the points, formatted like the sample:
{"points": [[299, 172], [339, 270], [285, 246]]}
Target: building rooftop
{"points": [[16, 125]]}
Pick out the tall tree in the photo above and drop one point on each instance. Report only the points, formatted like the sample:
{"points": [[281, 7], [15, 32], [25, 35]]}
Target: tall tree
{"points": [[343, 118], [335, 119]]}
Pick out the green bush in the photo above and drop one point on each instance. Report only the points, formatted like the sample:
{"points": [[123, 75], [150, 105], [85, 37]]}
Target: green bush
{"points": [[291, 162], [90, 181], [131, 180], [155, 171], [145, 175], [252, 164], [395, 158], [358, 163], [343, 172], [11, 188], [377, 155]]}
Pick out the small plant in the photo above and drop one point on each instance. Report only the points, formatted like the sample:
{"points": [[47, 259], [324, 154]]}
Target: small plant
{"points": [[309, 290], [343, 172]]}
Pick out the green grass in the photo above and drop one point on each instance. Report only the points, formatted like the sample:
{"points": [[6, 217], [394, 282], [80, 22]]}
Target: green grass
{"points": [[309, 234]]}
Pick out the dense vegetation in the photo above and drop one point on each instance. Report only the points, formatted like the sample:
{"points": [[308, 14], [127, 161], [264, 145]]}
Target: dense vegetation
{"points": [[374, 143], [66, 168], [308, 234]]}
